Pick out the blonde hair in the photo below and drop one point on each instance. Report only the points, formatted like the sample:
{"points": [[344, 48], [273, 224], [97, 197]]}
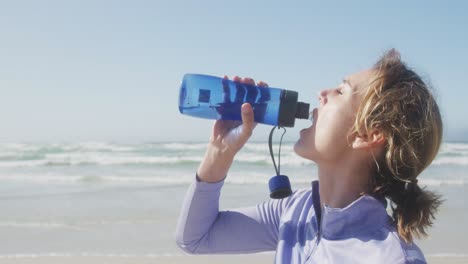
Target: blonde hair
{"points": [[400, 104]]}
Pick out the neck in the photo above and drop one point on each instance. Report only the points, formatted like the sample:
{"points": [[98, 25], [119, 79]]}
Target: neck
{"points": [[341, 184]]}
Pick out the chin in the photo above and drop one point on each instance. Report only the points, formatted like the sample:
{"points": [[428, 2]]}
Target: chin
{"points": [[303, 151], [296, 146]]}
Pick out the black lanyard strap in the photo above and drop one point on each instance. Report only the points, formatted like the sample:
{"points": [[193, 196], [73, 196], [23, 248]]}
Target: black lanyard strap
{"points": [[270, 145]]}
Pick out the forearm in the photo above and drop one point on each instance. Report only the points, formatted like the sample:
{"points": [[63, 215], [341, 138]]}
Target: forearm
{"points": [[215, 164]]}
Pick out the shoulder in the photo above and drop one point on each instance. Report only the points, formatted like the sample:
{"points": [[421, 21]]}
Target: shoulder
{"points": [[408, 253], [298, 203], [384, 245], [412, 253], [298, 198], [279, 211]]}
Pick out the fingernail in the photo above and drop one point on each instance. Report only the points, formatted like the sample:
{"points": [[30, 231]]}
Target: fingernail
{"points": [[244, 109]]}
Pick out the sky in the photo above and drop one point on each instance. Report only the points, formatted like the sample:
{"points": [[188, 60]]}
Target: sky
{"points": [[73, 71]]}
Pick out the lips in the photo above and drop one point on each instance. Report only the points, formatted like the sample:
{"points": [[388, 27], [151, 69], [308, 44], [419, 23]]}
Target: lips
{"points": [[313, 118], [314, 115]]}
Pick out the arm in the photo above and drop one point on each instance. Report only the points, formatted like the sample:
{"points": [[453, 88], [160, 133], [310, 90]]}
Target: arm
{"points": [[201, 227]]}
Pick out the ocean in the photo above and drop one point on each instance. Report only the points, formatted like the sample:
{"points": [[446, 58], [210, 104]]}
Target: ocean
{"points": [[114, 199]]}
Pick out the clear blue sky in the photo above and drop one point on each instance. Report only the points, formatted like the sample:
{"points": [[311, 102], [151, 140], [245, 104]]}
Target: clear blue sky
{"points": [[110, 70]]}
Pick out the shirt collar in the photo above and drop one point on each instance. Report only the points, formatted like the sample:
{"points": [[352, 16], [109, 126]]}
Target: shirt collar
{"points": [[364, 215]]}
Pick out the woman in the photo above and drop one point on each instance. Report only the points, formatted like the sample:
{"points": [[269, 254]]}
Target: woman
{"points": [[371, 137]]}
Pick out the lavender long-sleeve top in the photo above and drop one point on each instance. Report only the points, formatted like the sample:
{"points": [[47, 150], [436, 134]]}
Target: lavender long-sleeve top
{"points": [[296, 227]]}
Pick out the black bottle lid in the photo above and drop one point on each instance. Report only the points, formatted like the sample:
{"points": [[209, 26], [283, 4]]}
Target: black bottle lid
{"points": [[290, 109], [302, 110]]}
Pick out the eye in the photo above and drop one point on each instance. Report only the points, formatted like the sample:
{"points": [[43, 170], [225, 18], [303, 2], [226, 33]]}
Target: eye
{"points": [[339, 91]]}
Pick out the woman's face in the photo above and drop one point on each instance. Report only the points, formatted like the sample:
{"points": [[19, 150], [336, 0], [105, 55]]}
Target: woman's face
{"points": [[327, 138]]}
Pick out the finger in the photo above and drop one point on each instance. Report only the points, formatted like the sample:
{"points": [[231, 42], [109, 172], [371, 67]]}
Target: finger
{"points": [[248, 81], [247, 121], [262, 84]]}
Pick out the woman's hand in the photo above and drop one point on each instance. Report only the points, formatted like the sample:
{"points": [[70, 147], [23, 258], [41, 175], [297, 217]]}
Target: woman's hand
{"points": [[227, 138]]}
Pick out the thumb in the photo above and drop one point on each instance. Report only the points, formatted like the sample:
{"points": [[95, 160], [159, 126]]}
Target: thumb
{"points": [[247, 120]]}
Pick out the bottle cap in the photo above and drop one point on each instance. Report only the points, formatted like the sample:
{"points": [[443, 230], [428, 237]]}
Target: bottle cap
{"points": [[287, 110], [290, 109], [302, 110], [280, 187]]}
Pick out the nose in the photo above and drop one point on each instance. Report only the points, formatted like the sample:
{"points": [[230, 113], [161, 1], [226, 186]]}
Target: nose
{"points": [[323, 97]]}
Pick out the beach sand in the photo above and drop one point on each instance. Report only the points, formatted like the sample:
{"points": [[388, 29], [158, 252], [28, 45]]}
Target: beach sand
{"points": [[228, 259]]}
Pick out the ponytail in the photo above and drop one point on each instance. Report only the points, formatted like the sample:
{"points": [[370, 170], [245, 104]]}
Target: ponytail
{"points": [[414, 209]]}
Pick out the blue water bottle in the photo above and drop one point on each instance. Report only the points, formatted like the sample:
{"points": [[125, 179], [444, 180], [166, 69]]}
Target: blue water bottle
{"points": [[212, 97]]}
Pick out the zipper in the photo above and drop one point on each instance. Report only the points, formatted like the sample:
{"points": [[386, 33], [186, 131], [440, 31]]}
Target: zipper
{"points": [[319, 215], [317, 241]]}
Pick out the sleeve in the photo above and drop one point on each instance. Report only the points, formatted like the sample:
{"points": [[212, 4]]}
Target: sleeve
{"points": [[203, 229]]}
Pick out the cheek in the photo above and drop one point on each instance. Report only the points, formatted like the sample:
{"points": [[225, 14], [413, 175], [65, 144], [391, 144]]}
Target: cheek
{"points": [[330, 141], [329, 131]]}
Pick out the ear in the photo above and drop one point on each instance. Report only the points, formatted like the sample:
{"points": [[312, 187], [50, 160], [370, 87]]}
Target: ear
{"points": [[373, 139]]}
